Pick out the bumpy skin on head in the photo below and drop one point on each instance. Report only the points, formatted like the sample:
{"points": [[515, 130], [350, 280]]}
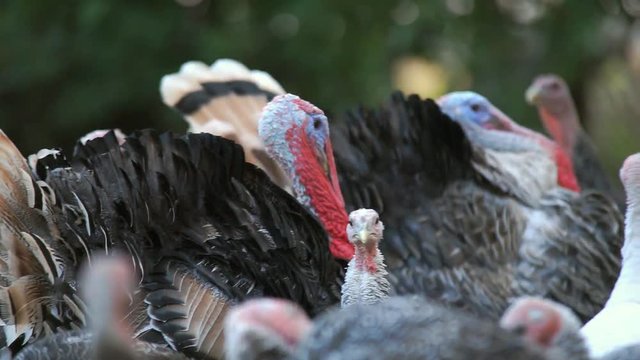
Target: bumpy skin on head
{"points": [[264, 329], [470, 107], [296, 134], [366, 279], [558, 113], [547, 324]]}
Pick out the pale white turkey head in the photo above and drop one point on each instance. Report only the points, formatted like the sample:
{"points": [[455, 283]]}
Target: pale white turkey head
{"points": [[365, 228]]}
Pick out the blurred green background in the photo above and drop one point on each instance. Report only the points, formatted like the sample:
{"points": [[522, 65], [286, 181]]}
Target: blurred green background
{"points": [[67, 68]]}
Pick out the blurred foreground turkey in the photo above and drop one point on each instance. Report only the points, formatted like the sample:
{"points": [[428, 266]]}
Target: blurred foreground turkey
{"points": [[107, 285]]}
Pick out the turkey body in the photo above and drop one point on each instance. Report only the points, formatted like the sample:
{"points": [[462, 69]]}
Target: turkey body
{"points": [[409, 328], [203, 230]]}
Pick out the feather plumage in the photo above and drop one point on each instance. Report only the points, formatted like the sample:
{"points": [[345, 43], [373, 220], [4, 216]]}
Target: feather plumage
{"points": [[462, 229], [225, 99], [198, 224]]}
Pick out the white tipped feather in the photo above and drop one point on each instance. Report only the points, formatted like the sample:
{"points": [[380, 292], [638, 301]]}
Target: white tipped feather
{"points": [[266, 82], [193, 65], [120, 136], [173, 87], [197, 71], [217, 127], [229, 69]]}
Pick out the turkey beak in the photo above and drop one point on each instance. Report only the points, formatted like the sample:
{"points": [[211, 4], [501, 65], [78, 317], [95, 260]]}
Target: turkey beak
{"points": [[532, 94], [364, 236]]}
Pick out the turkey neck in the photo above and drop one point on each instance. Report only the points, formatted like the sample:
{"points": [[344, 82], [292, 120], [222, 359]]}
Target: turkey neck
{"points": [[368, 258], [561, 121], [320, 192], [627, 288], [566, 174]]}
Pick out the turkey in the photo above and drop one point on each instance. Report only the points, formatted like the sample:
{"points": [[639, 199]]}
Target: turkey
{"points": [[551, 95], [202, 229], [571, 241], [467, 106], [547, 324], [250, 330], [366, 278], [225, 99], [616, 326], [106, 287], [397, 328]]}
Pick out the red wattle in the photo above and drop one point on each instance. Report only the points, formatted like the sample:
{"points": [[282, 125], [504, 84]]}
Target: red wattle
{"points": [[554, 127], [324, 193], [365, 258], [564, 147], [566, 176]]}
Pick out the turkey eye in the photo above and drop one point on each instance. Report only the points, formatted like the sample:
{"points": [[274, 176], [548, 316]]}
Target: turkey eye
{"points": [[377, 220], [475, 107], [316, 124], [350, 223], [555, 86]]}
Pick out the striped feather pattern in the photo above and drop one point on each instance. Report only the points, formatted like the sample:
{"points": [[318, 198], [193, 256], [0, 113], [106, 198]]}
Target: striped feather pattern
{"points": [[225, 99], [200, 226], [32, 262]]}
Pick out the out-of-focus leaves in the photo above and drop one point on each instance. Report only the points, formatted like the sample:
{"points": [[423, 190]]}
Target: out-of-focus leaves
{"points": [[66, 69]]}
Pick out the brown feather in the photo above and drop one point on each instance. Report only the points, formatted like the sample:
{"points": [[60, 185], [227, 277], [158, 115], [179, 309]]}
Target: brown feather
{"points": [[189, 308], [30, 264]]}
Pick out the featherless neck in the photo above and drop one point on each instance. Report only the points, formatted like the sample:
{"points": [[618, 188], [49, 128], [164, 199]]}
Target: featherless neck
{"points": [[627, 287], [566, 175], [367, 257], [561, 121], [631, 247]]}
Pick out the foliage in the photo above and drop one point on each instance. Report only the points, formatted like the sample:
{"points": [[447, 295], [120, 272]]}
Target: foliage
{"points": [[66, 69]]}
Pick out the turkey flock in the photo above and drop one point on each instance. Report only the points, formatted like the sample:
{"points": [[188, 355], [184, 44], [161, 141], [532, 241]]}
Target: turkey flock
{"points": [[419, 229]]}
